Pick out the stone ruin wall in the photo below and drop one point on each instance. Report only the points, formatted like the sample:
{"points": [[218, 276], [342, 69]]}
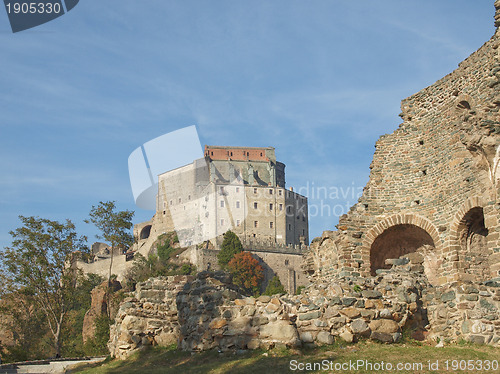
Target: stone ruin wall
{"points": [[207, 312], [430, 182]]}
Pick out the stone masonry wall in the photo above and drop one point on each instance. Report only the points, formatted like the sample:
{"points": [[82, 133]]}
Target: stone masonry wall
{"points": [[465, 311], [207, 312], [148, 318]]}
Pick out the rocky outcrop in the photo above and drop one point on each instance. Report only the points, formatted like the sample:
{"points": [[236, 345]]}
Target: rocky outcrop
{"points": [[98, 307]]}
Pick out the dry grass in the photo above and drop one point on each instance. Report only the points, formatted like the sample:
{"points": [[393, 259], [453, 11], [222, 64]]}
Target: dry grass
{"points": [[161, 360]]}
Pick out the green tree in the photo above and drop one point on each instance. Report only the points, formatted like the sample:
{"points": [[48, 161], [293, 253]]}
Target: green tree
{"points": [[98, 344], [274, 287], [72, 339], [115, 229], [38, 262], [24, 321], [187, 269], [231, 245], [247, 272]]}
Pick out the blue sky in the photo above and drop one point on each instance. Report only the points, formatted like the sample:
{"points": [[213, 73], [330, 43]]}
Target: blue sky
{"points": [[318, 80]]}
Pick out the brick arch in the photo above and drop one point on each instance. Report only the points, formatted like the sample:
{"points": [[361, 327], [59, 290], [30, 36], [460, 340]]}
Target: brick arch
{"points": [[454, 247], [465, 99], [401, 219], [397, 220], [470, 203]]}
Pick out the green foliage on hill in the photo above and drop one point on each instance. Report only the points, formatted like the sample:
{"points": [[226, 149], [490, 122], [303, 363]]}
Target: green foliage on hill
{"points": [[274, 287], [157, 264], [97, 346]]}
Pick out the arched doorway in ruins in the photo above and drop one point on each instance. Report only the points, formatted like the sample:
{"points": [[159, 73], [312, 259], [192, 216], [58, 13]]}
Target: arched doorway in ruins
{"points": [[145, 232], [396, 241], [473, 252]]}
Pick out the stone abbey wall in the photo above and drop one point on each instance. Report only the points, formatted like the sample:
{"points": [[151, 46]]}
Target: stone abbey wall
{"points": [[434, 184], [283, 262]]}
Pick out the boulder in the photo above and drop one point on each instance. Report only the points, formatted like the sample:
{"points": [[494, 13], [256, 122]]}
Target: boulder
{"points": [[384, 326], [448, 296], [330, 312], [259, 320], [384, 330], [218, 323], [351, 313], [253, 344], [338, 322], [385, 313], [279, 330], [374, 304], [359, 327], [264, 299], [372, 294], [324, 337], [310, 315], [133, 323], [348, 301], [238, 326], [164, 339], [347, 336], [98, 307], [306, 337]]}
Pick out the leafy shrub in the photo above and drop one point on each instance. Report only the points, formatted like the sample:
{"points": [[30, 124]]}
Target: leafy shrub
{"points": [[98, 345], [247, 272], [299, 290], [274, 287], [188, 269]]}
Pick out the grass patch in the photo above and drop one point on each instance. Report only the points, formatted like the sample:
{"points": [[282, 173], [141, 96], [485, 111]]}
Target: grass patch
{"points": [[170, 360]]}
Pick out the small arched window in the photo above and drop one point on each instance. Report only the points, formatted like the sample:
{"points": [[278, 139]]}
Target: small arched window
{"points": [[463, 104]]}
